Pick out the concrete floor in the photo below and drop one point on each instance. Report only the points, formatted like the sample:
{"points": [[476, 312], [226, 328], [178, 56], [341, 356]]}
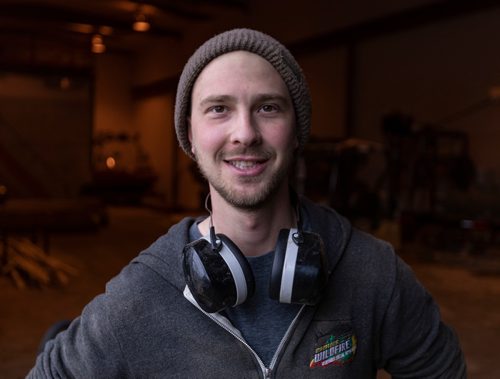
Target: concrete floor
{"points": [[467, 289]]}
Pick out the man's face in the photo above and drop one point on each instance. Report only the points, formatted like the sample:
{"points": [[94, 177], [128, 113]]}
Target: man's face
{"points": [[242, 129]]}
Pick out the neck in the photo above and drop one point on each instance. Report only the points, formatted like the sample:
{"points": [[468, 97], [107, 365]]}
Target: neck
{"points": [[255, 232]]}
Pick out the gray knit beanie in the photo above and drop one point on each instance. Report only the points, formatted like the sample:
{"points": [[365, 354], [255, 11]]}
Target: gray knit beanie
{"points": [[255, 42]]}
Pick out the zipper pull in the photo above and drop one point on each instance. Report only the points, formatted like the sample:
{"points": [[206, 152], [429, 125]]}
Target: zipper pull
{"points": [[267, 373]]}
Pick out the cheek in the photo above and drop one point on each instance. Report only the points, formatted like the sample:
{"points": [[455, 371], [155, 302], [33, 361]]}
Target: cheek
{"points": [[283, 137], [204, 139]]}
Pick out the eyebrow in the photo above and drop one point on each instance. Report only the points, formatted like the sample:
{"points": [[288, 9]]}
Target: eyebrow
{"points": [[228, 98], [274, 97], [217, 99]]}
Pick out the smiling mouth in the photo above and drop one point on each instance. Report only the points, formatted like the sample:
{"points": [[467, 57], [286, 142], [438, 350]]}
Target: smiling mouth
{"points": [[244, 165]]}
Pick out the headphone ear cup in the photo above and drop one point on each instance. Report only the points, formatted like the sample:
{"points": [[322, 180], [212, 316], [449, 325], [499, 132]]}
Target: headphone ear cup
{"points": [[280, 253], [240, 268], [299, 268], [217, 278]]}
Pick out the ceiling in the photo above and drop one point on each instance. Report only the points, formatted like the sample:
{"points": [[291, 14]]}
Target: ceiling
{"points": [[55, 34], [59, 32]]}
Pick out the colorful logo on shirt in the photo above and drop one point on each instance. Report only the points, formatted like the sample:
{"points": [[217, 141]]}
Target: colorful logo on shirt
{"points": [[337, 350]]}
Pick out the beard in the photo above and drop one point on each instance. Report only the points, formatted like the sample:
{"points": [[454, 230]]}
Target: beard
{"points": [[251, 200]]}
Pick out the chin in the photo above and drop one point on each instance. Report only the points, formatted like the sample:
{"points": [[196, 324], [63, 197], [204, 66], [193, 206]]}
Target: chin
{"points": [[255, 199]]}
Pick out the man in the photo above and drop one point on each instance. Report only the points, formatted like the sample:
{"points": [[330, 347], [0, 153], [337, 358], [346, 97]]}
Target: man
{"points": [[269, 285]]}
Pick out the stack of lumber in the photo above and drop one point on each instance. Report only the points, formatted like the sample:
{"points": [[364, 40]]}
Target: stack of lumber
{"points": [[26, 264]]}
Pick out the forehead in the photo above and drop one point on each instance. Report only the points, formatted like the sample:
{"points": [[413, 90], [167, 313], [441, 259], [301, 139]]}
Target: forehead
{"points": [[237, 68]]}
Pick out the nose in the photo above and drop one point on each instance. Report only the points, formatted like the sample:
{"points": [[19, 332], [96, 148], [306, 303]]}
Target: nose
{"points": [[245, 130]]}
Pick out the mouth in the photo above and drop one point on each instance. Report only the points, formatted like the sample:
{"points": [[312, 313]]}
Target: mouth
{"points": [[247, 166], [244, 165]]}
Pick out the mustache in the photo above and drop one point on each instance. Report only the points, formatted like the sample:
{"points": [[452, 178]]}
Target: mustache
{"points": [[251, 151]]}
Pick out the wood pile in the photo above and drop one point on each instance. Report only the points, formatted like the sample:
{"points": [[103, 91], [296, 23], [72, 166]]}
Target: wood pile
{"points": [[26, 264]]}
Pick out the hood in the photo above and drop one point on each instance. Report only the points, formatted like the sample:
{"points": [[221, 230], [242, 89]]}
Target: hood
{"points": [[334, 229], [164, 256]]}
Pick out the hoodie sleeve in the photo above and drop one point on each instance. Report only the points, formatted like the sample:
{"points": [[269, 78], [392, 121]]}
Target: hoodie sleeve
{"points": [[87, 349], [415, 343], [102, 342]]}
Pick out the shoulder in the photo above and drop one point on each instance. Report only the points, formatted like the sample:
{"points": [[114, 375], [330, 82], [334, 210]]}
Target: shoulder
{"points": [[164, 256], [346, 245], [155, 273], [375, 254]]}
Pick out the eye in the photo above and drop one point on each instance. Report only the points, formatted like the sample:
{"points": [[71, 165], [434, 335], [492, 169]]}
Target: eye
{"points": [[268, 108], [217, 109]]}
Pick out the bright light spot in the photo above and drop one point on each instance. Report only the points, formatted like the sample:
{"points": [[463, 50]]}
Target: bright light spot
{"points": [[110, 163]]}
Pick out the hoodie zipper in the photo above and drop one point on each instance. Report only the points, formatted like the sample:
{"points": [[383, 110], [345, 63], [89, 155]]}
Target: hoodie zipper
{"points": [[285, 338], [224, 323]]}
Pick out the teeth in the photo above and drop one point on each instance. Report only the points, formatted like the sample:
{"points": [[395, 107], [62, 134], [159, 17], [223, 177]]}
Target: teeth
{"points": [[243, 164]]}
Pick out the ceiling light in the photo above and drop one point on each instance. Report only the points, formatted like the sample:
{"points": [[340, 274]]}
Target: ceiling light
{"points": [[81, 28], [141, 24], [98, 46], [105, 30]]}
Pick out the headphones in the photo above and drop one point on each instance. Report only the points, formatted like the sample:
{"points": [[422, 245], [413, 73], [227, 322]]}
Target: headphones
{"points": [[219, 275]]}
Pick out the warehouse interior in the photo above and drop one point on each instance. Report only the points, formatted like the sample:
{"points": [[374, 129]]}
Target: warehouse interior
{"points": [[404, 142]]}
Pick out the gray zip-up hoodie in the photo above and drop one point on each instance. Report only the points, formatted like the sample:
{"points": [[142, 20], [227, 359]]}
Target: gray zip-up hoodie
{"points": [[374, 314]]}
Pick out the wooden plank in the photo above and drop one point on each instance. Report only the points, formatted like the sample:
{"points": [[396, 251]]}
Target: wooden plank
{"points": [[28, 264], [17, 279], [32, 269]]}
